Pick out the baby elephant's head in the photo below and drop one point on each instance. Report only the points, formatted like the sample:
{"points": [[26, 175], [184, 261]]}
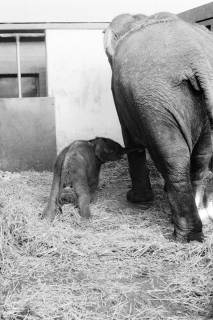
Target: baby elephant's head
{"points": [[107, 149]]}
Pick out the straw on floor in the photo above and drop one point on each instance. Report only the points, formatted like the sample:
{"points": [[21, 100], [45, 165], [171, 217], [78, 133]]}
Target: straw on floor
{"points": [[122, 264]]}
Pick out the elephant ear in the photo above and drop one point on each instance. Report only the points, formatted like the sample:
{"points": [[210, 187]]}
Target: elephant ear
{"points": [[100, 149], [107, 149], [109, 43], [117, 29]]}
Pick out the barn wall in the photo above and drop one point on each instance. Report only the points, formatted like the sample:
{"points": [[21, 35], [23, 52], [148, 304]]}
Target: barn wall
{"points": [[79, 78], [202, 15], [27, 134], [197, 14]]}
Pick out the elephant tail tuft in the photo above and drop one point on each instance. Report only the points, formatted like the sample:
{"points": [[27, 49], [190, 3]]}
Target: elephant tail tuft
{"points": [[59, 167]]}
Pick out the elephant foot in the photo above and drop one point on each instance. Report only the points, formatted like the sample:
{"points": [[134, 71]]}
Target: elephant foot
{"points": [[187, 237], [85, 212], [49, 214], [140, 199], [198, 236]]}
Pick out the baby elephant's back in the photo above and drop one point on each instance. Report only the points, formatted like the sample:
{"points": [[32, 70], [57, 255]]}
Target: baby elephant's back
{"points": [[79, 163]]}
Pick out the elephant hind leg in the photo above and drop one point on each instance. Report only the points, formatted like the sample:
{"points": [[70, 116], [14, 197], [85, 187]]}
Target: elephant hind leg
{"points": [[172, 157], [83, 193], [187, 223], [200, 161]]}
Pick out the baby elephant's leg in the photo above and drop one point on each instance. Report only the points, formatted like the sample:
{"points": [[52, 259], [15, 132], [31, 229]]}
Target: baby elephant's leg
{"points": [[93, 187], [82, 190]]}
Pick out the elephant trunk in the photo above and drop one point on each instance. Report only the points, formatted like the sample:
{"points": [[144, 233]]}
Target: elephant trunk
{"points": [[128, 150]]}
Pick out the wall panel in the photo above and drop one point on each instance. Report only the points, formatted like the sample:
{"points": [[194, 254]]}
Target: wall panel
{"points": [[79, 78], [27, 134]]}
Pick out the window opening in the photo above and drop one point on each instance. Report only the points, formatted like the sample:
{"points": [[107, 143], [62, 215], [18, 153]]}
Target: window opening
{"points": [[22, 64]]}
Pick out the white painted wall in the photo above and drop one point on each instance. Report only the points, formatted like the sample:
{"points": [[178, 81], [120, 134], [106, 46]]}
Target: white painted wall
{"points": [[79, 78]]}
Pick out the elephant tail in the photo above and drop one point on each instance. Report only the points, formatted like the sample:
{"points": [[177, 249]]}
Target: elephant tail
{"points": [[59, 166], [202, 80]]}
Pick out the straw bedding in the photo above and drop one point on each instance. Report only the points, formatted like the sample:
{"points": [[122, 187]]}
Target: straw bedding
{"points": [[122, 264]]}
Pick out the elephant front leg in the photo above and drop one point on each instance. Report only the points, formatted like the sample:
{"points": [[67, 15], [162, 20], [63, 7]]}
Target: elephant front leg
{"points": [[141, 191]]}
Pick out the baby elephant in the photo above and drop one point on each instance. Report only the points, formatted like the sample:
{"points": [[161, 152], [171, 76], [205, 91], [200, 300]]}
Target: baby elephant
{"points": [[78, 166]]}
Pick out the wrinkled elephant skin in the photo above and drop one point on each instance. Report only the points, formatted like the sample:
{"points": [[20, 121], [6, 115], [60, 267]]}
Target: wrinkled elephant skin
{"points": [[162, 84], [78, 166]]}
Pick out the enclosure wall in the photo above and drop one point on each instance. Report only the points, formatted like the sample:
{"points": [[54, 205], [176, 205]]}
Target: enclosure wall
{"points": [[79, 78], [27, 134]]}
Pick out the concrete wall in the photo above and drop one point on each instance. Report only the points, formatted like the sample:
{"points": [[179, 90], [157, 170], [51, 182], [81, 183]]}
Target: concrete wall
{"points": [[79, 78], [27, 134]]}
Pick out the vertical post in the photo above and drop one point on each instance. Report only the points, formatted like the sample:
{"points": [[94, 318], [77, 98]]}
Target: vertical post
{"points": [[18, 65], [48, 93]]}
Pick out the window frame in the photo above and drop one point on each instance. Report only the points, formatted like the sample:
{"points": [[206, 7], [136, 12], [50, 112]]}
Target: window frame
{"points": [[18, 36]]}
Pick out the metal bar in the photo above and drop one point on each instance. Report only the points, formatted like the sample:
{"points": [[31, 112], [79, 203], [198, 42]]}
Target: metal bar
{"points": [[21, 35], [47, 65], [18, 65], [54, 25]]}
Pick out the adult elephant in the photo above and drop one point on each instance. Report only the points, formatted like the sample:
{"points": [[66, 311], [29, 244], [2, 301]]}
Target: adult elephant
{"points": [[162, 84]]}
